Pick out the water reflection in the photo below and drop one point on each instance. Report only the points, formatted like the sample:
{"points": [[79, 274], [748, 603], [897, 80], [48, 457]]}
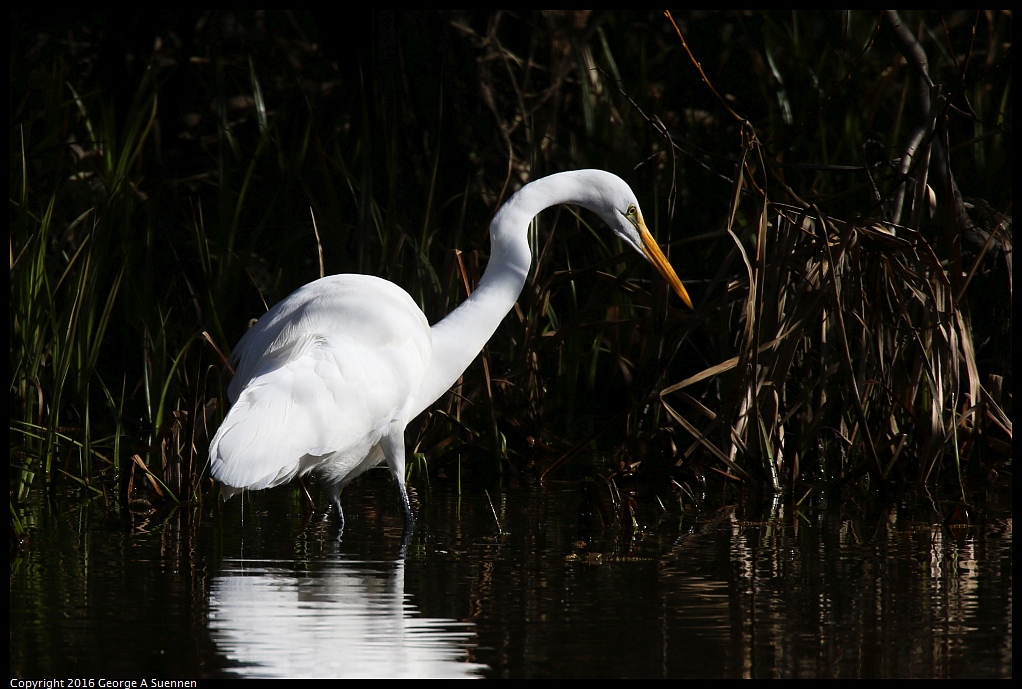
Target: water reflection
{"points": [[342, 620], [815, 594], [827, 590]]}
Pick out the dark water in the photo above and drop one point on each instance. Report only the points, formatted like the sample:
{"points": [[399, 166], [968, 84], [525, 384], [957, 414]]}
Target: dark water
{"points": [[785, 592]]}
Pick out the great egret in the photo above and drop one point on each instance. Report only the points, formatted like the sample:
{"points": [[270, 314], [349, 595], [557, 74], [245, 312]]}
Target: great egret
{"points": [[327, 379]]}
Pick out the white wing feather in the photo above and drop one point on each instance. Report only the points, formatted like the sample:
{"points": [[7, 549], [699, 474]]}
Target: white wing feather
{"points": [[320, 379]]}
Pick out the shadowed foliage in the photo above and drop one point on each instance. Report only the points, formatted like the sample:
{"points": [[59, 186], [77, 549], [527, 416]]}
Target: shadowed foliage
{"points": [[834, 187]]}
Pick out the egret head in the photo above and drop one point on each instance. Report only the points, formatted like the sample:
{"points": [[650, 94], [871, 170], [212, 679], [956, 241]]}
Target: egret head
{"points": [[620, 210]]}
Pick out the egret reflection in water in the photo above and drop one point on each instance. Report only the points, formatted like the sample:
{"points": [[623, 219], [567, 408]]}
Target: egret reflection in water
{"points": [[349, 620]]}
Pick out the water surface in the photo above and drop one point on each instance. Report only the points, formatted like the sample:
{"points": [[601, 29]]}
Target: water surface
{"points": [[524, 585]]}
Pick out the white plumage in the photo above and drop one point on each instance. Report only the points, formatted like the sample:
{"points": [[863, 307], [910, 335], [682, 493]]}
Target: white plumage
{"points": [[327, 379]]}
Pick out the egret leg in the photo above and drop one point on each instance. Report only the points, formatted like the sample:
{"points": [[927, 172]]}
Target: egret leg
{"points": [[335, 497], [406, 537], [393, 445], [409, 515], [309, 502]]}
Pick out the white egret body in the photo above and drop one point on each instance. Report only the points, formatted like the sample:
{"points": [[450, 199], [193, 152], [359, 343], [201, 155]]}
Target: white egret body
{"points": [[327, 379]]}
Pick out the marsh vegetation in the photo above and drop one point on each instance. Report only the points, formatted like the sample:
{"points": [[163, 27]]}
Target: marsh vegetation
{"points": [[835, 188]]}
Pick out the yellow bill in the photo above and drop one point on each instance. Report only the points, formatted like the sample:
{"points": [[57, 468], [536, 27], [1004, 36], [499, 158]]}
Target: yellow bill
{"points": [[659, 261]]}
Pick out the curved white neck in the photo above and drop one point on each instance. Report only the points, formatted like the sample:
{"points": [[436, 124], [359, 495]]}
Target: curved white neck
{"points": [[459, 337]]}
